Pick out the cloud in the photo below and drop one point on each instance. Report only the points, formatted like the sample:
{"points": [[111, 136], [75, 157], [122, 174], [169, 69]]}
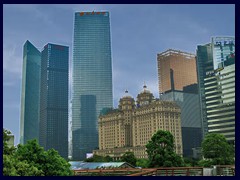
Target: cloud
{"points": [[12, 63]]}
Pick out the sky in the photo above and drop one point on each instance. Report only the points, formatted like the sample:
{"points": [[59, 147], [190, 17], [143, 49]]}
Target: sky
{"points": [[138, 34]]}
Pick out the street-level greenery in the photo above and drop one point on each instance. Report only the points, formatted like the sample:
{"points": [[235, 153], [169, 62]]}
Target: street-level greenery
{"points": [[31, 160], [129, 157], [216, 151], [161, 152]]}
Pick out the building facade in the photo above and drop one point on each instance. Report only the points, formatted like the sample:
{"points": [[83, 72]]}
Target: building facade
{"points": [[204, 64], [220, 102], [178, 82], [92, 79], [176, 69], [54, 98], [216, 76], [131, 126], [30, 95]]}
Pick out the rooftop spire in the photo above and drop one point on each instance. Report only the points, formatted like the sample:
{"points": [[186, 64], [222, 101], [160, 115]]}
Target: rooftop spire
{"points": [[144, 86]]}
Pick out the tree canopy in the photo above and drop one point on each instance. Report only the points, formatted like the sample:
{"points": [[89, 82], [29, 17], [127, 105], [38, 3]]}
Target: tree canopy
{"points": [[31, 160], [161, 151], [129, 157], [217, 150]]}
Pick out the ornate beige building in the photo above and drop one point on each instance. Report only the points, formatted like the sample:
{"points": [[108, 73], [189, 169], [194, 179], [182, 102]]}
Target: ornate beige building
{"points": [[131, 126]]}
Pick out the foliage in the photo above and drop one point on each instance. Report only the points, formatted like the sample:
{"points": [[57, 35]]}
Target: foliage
{"points": [[97, 158], [160, 150], [31, 160], [129, 158], [216, 148], [205, 163], [144, 163], [6, 149], [190, 162]]}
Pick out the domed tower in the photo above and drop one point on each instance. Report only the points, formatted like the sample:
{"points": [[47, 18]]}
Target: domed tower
{"points": [[127, 105], [127, 102], [145, 97]]}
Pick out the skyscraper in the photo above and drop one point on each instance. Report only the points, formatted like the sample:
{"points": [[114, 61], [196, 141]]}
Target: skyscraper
{"points": [[178, 82], [54, 98], [92, 78], [204, 64], [29, 122], [176, 69], [216, 76]]}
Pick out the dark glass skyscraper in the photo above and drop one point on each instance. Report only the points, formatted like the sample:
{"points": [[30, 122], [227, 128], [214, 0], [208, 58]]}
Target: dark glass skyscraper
{"points": [[54, 98], [30, 93], [92, 79]]}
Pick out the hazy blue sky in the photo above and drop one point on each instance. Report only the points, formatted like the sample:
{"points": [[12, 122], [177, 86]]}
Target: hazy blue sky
{"points": [[138, 33]]}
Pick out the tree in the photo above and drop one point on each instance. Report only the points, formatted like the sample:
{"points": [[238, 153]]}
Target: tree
{"points": [[216, 149], [49, 162], [31, 160], [160, 150], [144, 163], [6, 149], [129, 158]]}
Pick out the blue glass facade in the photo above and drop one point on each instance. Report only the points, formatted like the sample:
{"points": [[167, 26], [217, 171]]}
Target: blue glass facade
{"points": [[29, 120], [92, 79], [54, 98], [222, 47]]}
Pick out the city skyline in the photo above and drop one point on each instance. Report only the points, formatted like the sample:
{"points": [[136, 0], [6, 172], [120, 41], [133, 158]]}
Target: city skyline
{"points": [[138, 33]]}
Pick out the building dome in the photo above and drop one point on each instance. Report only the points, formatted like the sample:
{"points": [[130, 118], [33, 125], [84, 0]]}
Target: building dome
{"points": [[127, 95], [145, 90], [145, 97], [127, 102]]}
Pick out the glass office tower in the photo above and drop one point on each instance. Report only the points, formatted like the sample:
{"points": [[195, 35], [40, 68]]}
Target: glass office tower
{"points": [[54, 98], [29, 119], [204, 64], [92, 79], [213, 60]]}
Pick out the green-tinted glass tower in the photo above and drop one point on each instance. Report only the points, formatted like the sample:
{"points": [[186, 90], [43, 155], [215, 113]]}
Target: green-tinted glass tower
{"points": [[29, 118], [54, 98], [92, 79], [204, 64]]}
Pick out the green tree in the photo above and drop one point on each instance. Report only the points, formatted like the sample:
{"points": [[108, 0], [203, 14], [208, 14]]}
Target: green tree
{"points": [[129, 158], [217, 150], [160, 150], [190, 162], [31, 160], [49, 162], [144, 163], [6, 149]]}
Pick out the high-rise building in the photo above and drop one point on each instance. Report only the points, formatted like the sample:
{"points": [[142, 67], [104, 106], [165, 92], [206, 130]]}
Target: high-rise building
{"points": [[131, 126], [176, 69], [204, 64], [29, 122], [178, 82], [54, 98], [92, 79], [220, 102], [216, 77]]}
